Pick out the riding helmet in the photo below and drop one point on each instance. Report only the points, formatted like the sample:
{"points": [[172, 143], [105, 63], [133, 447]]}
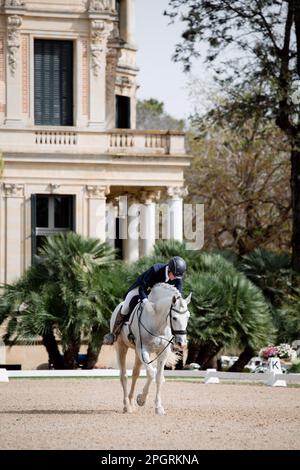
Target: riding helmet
{"points": [[177, 266]]}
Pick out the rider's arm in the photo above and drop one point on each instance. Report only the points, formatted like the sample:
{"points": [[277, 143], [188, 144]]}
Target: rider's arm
{"points": [[178, 284], [146, 282]]}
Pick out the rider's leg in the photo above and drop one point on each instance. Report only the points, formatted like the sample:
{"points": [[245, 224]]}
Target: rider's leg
{"points": [[111, 337]]}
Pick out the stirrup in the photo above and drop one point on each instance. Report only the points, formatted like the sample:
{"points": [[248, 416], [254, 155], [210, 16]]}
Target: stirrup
{"points": [[109, 339]]}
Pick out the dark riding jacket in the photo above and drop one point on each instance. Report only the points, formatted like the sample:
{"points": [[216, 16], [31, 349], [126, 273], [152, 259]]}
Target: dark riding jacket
{"points": [[153, 275]]}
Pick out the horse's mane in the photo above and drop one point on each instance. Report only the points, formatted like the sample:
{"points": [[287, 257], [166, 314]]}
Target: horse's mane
{"points": [[169, 287]]}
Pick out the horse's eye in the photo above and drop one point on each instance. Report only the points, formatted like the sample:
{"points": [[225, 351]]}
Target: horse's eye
{"points": [[175, 318]]}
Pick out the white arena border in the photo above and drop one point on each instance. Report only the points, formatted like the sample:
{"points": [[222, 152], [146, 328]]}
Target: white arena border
{"points": [[107, 373], [78, 373]]}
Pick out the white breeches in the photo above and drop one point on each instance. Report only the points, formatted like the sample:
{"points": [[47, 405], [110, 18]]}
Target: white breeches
{"points": [[129, 296]]}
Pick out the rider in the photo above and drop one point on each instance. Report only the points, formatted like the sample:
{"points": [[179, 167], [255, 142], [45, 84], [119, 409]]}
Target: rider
{"points": [[171, 273]]}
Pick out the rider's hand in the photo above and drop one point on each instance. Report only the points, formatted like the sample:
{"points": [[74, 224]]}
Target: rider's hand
{"points": [[145, 300]]}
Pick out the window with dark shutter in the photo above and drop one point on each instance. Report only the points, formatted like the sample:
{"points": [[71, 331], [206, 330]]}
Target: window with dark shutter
{"points": [[53, 82]]}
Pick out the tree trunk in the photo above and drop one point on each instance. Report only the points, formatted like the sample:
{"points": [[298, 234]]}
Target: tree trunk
{"points": [[193, 351], [92, 357], [295, 189], [71, 355], [207, 353], [54, 355], [94, 347], [243, 360]]}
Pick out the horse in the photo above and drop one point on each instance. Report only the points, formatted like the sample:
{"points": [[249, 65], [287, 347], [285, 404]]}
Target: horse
{"points": [[151, 330]]}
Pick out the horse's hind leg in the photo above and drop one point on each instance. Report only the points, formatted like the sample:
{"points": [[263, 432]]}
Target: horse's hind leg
{"points": [[135, 376], [121, 354], [142, 397]]}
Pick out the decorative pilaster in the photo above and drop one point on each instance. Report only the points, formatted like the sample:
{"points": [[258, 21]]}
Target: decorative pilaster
{"points": [[14, 240], [175, 218], [14, 23], [112, 58], [14, 99], [96, 211], [85, 77], [100, 31], [2, 75], [25, 73]]}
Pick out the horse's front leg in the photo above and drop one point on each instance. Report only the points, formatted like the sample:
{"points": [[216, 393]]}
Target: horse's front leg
{"points": [[159, 409], [135, 376], [151, 372], [121, 354]]}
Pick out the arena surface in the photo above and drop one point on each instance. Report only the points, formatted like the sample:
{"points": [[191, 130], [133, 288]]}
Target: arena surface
{"points": [[87, 414]]}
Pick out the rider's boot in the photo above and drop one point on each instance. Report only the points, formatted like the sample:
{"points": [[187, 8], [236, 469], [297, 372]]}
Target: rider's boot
{"points": [[110, 338]]}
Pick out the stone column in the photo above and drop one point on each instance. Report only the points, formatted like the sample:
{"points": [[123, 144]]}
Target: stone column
{"points": [[111, 220], [14, 231], [148, 221], [131, 244], [100, 31], [97, 211], [130, 22], [175, 219], [13, 72]]}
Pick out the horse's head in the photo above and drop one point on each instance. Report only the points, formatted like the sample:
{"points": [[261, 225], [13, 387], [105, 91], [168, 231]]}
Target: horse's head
{"points": [[179, 317]]}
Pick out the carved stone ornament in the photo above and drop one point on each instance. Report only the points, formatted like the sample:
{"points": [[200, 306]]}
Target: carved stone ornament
{"points": [[97, 192], [53, 187], [13, 40], [177, 192], [14, 4], [100, 5], [13, 190], [148, 197], [100, 30], [123, 82]]}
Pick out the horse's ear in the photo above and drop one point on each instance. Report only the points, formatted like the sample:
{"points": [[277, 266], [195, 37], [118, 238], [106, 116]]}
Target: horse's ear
{"points": [[174, 300], [188, 299]]}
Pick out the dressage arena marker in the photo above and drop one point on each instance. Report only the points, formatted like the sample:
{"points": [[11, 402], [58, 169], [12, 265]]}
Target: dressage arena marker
{"points": [[3, 375], [211, 377], [274, 371]]}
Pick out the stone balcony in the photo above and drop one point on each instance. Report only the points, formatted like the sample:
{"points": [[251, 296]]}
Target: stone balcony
{"points": [[69, 140]]}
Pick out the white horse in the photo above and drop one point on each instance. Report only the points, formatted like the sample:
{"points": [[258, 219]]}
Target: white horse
{"points": [[155, 325]]}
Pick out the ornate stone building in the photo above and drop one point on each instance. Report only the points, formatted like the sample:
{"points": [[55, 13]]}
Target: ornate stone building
{"points": [[67, 130]]}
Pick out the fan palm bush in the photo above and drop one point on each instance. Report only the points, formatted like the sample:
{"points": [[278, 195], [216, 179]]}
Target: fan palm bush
{"points": [[227, 309], [280, 284], [59, 297]]}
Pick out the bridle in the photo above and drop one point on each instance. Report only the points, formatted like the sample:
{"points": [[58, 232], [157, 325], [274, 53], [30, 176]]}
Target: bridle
{"points": [[173, 331]]}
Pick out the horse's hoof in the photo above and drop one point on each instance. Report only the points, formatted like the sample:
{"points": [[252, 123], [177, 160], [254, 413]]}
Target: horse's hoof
{"points": [[127, 409], [160, 411], [139, 399]]}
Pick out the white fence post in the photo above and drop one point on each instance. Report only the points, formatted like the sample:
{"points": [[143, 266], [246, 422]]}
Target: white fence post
{"points": [[211, 377]]}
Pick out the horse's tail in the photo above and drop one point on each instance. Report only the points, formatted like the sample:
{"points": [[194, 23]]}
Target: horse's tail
{"points": [[173, 358]]}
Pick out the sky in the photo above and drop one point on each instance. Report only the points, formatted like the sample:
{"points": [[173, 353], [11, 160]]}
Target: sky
{"points": [[159, 76]]}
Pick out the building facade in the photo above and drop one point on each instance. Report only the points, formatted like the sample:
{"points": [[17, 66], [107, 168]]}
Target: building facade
{"points": [[68, 81]]}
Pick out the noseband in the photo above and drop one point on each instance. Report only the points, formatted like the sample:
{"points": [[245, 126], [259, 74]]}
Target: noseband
{"points": [[173, 309]]}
